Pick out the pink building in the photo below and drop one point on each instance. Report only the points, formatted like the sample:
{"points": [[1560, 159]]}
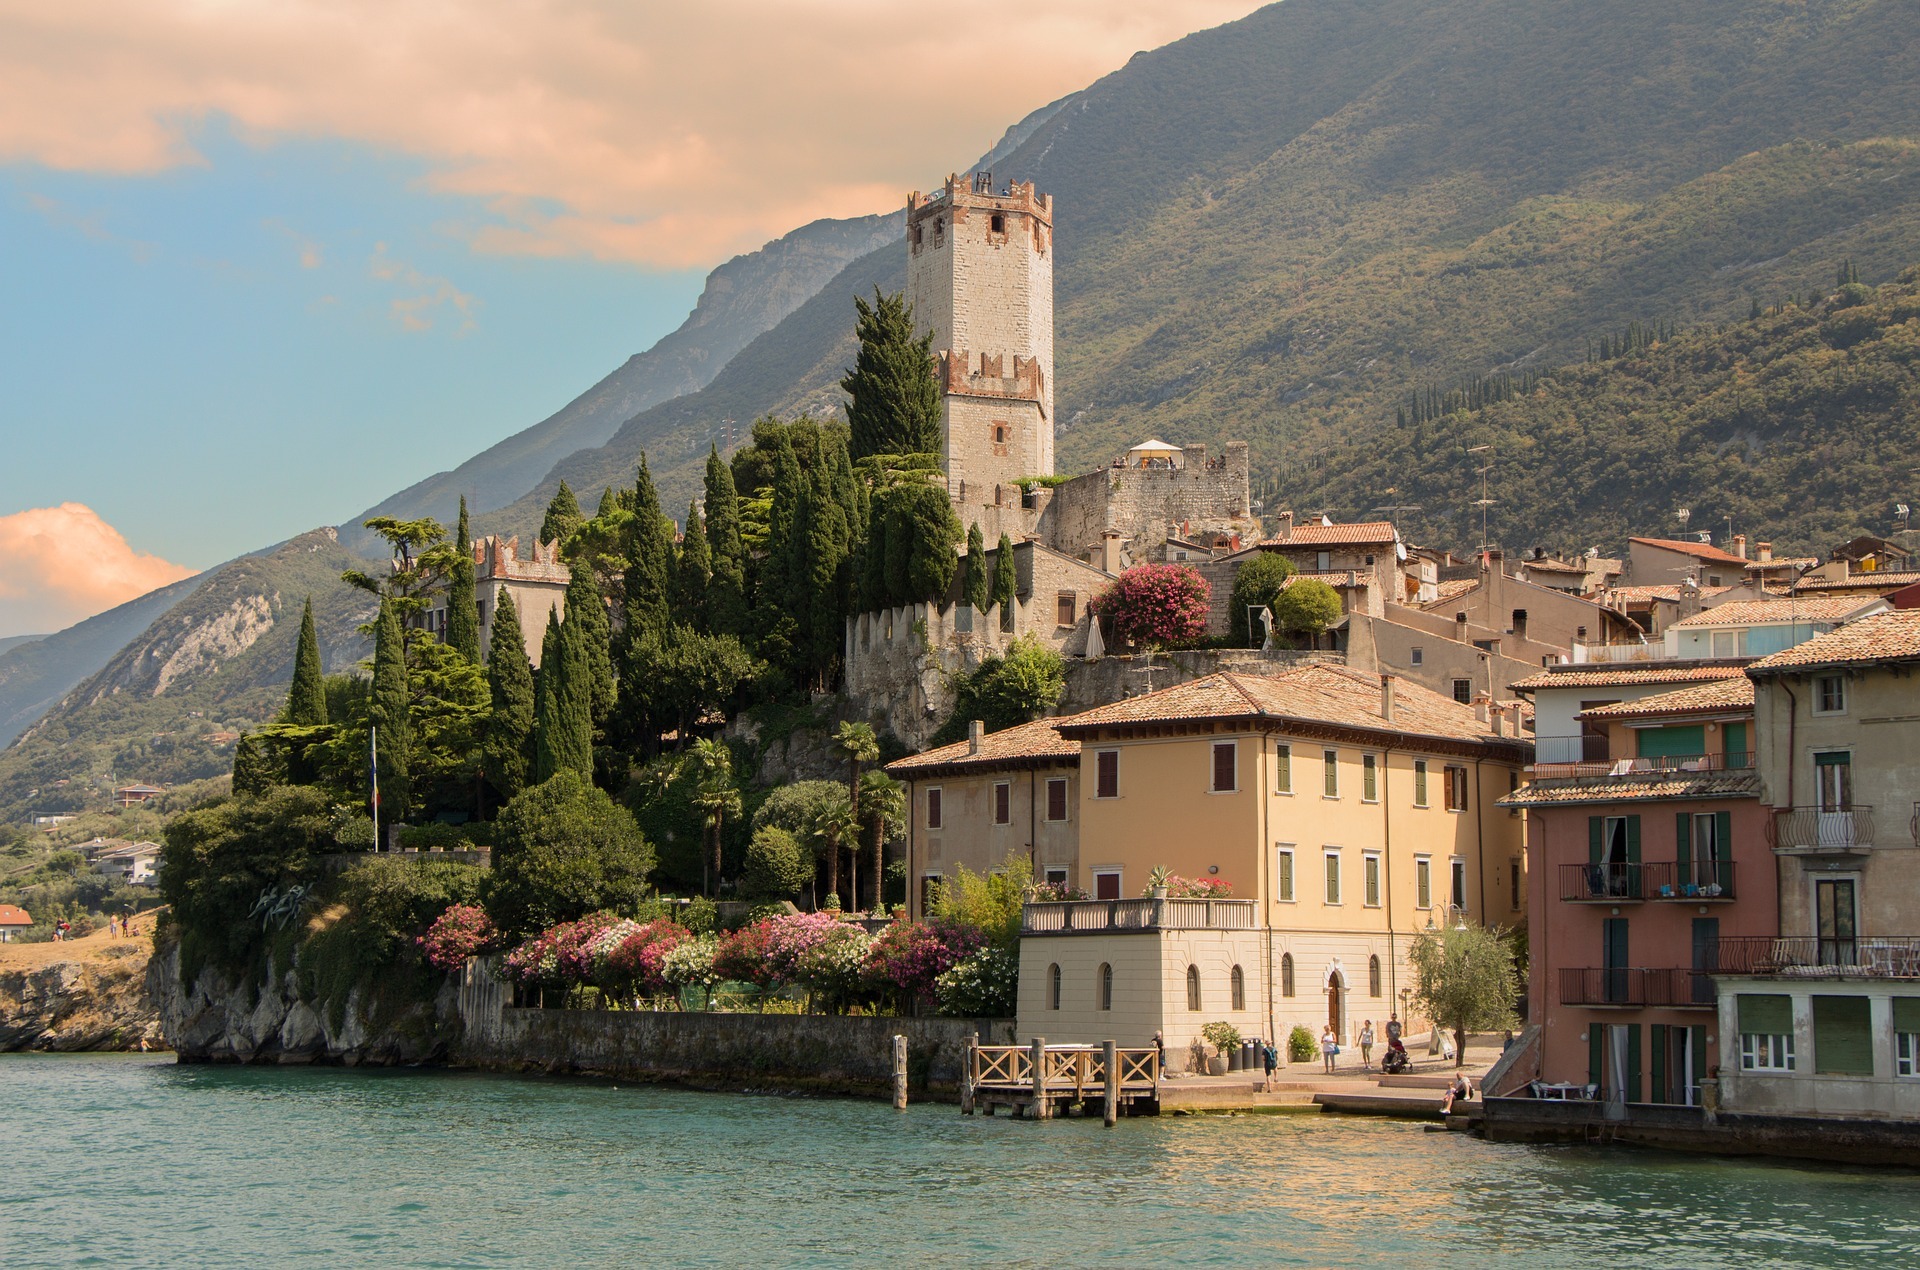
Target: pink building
{"points": [[1637, 868]]}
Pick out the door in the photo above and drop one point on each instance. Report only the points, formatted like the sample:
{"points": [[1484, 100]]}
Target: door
{"points": [[1336, 1007], [1614, 954], [1836, 914], [1706, 957], [1833, 796]]}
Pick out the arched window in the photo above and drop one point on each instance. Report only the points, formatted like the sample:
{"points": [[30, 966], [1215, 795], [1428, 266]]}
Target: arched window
{"points": [[1106, 986], [1053, 986], [1193, 988], [1286, 974], [1239, 981], [1373, 976]]}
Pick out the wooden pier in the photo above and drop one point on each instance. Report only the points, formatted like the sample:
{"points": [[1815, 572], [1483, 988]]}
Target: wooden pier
{"points": [[1040, 1081]]}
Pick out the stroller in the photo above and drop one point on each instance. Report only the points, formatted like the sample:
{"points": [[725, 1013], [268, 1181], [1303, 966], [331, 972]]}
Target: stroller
{"points": [[1395, 1061]]}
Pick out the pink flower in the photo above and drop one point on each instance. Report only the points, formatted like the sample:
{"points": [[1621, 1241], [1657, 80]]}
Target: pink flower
{"points": [[461, 932], [1163, 604]]}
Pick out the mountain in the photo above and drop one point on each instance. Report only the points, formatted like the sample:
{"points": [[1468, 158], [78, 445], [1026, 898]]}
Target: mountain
{"points": [[34, 675], [742, 298], [1277, 229], [164, 709], [10, 642]]}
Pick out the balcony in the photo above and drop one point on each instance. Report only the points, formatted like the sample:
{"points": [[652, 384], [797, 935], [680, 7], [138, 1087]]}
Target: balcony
{"points": [[1628, 768], [1633, 988], [1114, 917], [1696, 882], [1617, 654], [1817, 829], [1821, 957]]}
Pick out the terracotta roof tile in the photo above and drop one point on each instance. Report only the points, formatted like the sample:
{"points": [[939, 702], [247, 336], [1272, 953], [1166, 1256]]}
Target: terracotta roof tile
{"points": [[1884, 580], [1823, 608], [12, 916], [1715, 697], [1890, 636], [1316, 535], [1611, 789], [1604, 676], [1036, 740], [1452, 590], [1698, 550], [1658, 591]]}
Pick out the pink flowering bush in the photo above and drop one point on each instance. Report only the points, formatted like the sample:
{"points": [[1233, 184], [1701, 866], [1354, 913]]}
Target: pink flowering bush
{"points": [[907, 957], [1163, 605], [559, 955], [463, 931], [635, 964]]}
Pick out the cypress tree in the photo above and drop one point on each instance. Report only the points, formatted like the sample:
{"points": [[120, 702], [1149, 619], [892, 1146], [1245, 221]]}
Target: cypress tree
{"points": [[692, 574], [609, 502], [563, 516], [509, 727], [388, 709], [463, 615], [649, 563], [822, 561], [727, 589], [587, 613], [307, 699], [977, 587], [1005, 581], [562, 729], [893, 402]]}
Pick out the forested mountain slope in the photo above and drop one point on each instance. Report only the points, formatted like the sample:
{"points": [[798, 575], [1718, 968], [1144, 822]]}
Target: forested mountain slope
{"points": [[1276, 229]]}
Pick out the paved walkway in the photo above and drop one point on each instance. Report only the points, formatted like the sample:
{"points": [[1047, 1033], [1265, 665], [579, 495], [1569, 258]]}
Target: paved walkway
{"points": [[1359, 1088]]}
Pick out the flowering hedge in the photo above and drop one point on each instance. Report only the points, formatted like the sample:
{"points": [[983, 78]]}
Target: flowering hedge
{"points": [[908, 957], [637, 963], [1159, 604], [1195, 888], [984, 984], [463, 931]]}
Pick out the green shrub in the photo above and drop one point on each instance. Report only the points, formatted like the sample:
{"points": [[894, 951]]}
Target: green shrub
{"points": [[1301, 1047], [1222, 1036], [224, 859], [565, 850], [1259, 582], [776, 866]]}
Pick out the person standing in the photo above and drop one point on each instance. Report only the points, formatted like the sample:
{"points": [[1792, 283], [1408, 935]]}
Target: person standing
{"points": [[1393, 1027], [1366, 1044], [1270, 1057], [1329, 1048]]}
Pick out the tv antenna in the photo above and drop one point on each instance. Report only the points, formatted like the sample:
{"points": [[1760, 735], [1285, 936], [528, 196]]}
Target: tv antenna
{"points": [[1684, 515], [1483, 502]]}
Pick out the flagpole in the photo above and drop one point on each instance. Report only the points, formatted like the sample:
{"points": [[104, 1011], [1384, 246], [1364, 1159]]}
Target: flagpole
{"points": [[373, 770]]}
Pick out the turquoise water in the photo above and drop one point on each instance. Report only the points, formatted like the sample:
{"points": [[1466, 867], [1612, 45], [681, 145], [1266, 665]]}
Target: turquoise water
{"points": [[132, 1161]]}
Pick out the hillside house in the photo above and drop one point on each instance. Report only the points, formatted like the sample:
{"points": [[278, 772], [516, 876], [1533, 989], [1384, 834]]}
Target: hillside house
{"points": [[13, 920]]}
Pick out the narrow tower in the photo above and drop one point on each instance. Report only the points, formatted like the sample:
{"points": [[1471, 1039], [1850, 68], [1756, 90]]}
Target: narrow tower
{"points": [[980, 277]]}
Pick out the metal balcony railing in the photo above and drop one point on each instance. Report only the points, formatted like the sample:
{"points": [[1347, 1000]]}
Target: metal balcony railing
{"points": [[1818, 827], [1694, 881], [1635, 987], [1863, 956], [1627, 768]]}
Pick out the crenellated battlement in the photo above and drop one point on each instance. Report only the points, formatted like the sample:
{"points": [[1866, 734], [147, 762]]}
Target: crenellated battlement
{"points": [[1007, 376]]}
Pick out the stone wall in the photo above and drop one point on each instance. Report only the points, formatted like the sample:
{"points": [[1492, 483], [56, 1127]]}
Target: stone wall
{"points": [[1141, 504]]}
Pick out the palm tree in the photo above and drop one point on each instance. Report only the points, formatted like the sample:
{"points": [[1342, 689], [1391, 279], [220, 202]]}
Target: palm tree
{"points": [[857, 742], [717, 799], [830, 824], [885, 803]]}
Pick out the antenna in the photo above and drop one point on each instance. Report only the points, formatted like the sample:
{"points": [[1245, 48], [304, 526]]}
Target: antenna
{"points": [[1684, 515], [1483, 502]]}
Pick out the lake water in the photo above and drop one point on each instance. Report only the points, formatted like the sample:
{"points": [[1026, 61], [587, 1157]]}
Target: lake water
{"points": [[132, 1161]]}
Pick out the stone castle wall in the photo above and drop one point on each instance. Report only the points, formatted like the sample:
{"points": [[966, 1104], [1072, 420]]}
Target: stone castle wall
{"points": [[1141, 504]]}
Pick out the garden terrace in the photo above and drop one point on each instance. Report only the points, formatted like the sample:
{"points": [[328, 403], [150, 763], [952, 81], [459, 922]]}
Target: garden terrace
{"points": [[1109, 917]]}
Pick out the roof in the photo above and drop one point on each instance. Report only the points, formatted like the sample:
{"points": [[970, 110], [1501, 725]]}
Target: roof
{"points": [[1604, 676], [1714, 697], [1316, 693], [1156, 445], [1784, 562], [1890, 636], [12, 916], [1022, 743], [1884, 579], [139, 789], [1825, 608], [1698, 550], [1554, 566], [1658, 591], [1316, 535], [1614, 789], [1452, 589]]}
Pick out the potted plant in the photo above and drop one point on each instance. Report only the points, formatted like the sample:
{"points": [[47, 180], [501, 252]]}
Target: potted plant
{"points": [[1157, 882], [1225, 1038]]}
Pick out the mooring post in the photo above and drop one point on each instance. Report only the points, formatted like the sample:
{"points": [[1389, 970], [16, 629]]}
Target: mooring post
{"points": [[899, 1073], [1110, 1056], [967, 1060], [1041, 1111]]}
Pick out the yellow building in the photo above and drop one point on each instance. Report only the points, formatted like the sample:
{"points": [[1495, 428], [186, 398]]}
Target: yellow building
{"points": [[1347, 812]]}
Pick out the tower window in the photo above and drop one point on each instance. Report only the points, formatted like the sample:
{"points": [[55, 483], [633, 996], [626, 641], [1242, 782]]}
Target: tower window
{"points": [[999, 223], [999, 434], [918, 232]]}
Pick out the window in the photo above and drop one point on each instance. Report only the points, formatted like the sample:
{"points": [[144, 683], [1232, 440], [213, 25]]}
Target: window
{"points": [[1283, 768], [1106, 884], [1057, 798], [1456, 788], [999, 223], [1829, 695], [1419, 782], [1193, 988], [1460, 884], [1053, 986], [1333, 877], [1106, 769], [1056, 875], [1323, 562], [1906, 1036], [1370, 879], [1286, 974], [917, 234], [1766, 1032], [1331, 758], [1369, 778], [1713, 579], [1065, 608], [1418, 656], [1842, 1036], [1726, 643], [1224, 780], [1002, 803], [1106, 986], [1514, 868], [1422, 882], [1463, 691], [1237, 982], [1373, 976], [999, 434], [933, 808], [1283, 874], [1833, 780]]}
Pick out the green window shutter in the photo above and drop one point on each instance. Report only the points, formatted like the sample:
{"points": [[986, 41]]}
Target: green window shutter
{"points": [[1633, 1063], [1633, 839], [1683, 841], [1680, 742], [1736, 738], [1699, 1048], [1842, 1036], [1596, 1053], [1906, 1014], [1765, 1014], [1596, 839], [1723, 836], [1659, 1091]]}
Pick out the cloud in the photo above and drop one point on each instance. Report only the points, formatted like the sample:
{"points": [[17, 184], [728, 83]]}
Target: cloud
{"points": [[88, 225], [426, 294], [61, 564], [663, 133], [308, 250]]}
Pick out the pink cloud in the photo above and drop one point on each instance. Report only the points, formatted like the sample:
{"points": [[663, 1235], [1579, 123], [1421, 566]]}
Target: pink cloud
{"points": [[666, 134], [61, 564]]}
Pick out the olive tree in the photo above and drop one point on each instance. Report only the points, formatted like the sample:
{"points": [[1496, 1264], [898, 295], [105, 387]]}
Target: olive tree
{"points": [[1464, 980]]}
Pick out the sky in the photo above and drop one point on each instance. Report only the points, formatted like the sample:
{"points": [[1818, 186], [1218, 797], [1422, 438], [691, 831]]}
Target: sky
{"points": [[265, 262]]}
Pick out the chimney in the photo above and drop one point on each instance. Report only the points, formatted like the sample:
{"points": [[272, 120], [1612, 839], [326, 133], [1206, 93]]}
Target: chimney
{"points": [[1386, 698], [1460, 626], [1284, 529], [1766, 552], [976, 732], [1481, 701], [1499, 713], [1110, 551], [1740, 545], [1519, 623]]}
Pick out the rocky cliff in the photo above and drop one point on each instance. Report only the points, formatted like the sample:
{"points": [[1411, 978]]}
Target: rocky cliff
{"points": [[96, 1003]]}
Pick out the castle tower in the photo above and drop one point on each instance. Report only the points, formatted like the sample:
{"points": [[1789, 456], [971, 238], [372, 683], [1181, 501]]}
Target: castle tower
{"points": [[980, 277]]}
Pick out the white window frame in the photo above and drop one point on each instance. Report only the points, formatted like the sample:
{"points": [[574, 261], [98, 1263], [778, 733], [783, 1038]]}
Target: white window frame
{"points": [[1283, 768], [1820, 685], [1906, 1055], [1097, 756], [1289, 875], [1335, 895], [1423, 880], [1330, 776], [1213, 767], [1120, 880], [1448, 774], [1457, 883], [1764, 1052], [1370, 879], [1065, 877], [1421, 784], [1417, 655], [1066, 800], [1369, 775]]}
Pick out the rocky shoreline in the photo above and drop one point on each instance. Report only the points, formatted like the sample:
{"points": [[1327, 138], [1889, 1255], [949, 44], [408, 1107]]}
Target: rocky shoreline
{"points": [[95, 1002]]}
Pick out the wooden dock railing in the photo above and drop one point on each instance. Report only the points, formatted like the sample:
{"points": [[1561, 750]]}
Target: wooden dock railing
{"points": [[1037, 1079]]}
